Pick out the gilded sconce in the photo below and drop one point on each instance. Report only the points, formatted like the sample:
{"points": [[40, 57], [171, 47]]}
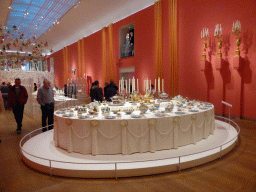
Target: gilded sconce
{"points": [[204, 36], [218, 35], [236, 29]]}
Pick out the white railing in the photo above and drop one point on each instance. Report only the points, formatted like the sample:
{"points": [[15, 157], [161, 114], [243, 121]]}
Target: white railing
{"points": [[178, 158]]}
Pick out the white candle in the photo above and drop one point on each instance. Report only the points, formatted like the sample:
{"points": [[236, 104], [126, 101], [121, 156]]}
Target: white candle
{"points": [[123, 84], [147, 85], [119, 87], [144, 87], [163, 85], [155, 84], [138, 85], [133, 84], [150, 85], [126, 86], [159, 84], [129, 86]]}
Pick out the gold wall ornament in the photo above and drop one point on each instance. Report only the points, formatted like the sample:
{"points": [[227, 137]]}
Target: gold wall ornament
{"points": [[236, 29], [204, 36], [219, 52], [218, 35]]}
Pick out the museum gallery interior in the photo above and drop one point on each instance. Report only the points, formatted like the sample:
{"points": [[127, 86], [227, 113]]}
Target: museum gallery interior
{"points": [[183, 118]]}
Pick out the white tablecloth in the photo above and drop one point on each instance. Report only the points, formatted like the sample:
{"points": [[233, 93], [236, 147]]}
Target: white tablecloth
{"points": [[129, 135]]}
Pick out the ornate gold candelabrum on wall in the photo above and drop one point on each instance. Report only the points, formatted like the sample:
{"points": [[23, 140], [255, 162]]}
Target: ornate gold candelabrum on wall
{"points": [[204, 36], [236, 29], [218, 35]]}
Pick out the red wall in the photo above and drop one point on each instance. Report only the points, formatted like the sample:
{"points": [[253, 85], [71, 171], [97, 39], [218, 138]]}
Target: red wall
{"points": [[231, 85], [73, 60], [58, 68], [93, 57], [143, 59], [227, 84]]}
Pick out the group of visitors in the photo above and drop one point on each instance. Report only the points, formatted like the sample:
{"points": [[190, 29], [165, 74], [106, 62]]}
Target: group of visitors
{"points": [[15, 97], [96, 92]]}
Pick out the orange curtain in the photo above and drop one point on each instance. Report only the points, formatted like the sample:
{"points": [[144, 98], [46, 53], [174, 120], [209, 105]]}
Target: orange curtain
{"points": [[81, 58], [83, 69], [158, 42], [111, 52], [173, 47], [65, 59], [104, 55]]}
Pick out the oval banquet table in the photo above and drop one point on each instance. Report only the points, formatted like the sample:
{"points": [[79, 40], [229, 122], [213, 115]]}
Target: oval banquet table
{"points": [[126, 135]]}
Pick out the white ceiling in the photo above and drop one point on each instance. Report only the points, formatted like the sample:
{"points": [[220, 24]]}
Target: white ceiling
{"points": [[87, 18]]}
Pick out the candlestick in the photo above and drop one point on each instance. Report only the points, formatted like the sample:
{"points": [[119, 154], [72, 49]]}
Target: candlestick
{"points": [[144, 87], [163, 85], [159, 84], [138, 85], [133, 84], [119, 87], [147, 86], [204, 36], [129, 85], [218, 35], [236, 29]]}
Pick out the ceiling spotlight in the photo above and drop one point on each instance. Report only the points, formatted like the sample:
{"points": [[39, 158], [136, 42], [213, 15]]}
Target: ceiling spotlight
{"points": [[10, 7]]}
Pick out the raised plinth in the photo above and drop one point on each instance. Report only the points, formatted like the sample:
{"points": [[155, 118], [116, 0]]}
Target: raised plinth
{"points": [[40, 153]]}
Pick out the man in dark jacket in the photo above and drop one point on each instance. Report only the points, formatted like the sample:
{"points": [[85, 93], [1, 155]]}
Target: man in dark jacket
{"points": [[17, 98], [96, 92], [111, 90]]}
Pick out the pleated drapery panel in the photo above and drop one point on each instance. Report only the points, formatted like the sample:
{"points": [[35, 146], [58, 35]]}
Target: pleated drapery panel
{"points": [[83, 68], [81, 59], [65, 59], [173, 47], [158, 41], [104, 55], [111, 52]]}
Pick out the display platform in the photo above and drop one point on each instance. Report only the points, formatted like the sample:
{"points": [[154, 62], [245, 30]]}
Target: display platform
{"points": [[40, 153]]}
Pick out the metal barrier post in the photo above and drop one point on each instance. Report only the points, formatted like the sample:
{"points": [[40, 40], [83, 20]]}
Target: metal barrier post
{"points": [[50, 167], [179, 163], [229, 105], [116, 170]]}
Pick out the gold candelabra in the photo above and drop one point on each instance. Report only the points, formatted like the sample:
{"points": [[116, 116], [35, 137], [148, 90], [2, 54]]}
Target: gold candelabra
{"points": [[204, 36], [218, 35], [236, 29]]}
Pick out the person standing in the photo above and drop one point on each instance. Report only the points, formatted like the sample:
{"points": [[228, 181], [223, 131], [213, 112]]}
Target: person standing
{"points": [[105, 91], [96, 92], [65, 90], [45, 97], [35, 87], [17, 98], [4, 89]]}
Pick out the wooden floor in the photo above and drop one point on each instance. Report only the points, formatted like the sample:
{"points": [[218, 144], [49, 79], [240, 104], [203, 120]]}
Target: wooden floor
{"points": [[236, 171]]}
